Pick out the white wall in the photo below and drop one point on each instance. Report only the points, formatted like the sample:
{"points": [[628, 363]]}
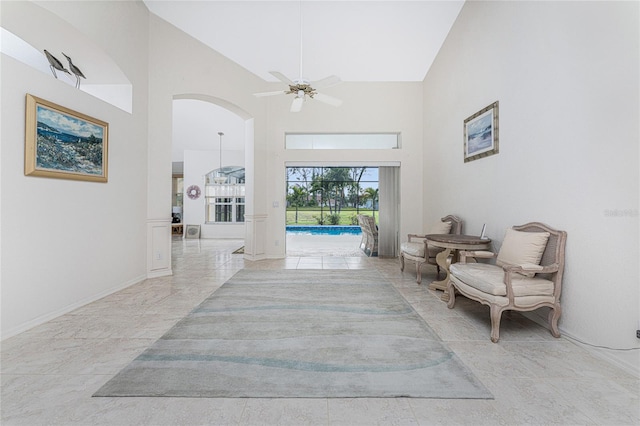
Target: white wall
{"points": [[196, 124], [196, 165], [65, 243], [106, 80], [566, 76], [366, 108], [196, 72]]}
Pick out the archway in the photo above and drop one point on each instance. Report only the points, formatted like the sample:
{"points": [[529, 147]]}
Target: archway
{"points": [[197, 148]]}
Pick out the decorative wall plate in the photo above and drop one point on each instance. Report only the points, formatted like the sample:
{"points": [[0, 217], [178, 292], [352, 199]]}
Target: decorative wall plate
{"points": [[193, 192]]}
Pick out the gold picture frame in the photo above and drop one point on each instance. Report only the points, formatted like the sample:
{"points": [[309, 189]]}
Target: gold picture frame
{"points": [[481, 133], [64, 144]]}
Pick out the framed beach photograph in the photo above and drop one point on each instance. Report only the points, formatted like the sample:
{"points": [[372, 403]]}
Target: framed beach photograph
{"points": [[64, 144], [481, 133]]}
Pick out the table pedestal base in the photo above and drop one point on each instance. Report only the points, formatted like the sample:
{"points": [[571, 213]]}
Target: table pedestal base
{"points": [[443, 260], [451, 244]]}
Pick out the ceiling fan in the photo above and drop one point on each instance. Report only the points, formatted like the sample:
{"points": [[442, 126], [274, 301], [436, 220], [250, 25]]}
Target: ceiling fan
{"points": [[302, 88]]}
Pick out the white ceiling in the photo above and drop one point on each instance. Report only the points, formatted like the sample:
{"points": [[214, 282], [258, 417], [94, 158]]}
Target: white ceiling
{"points": [[196, 125], [355, 40]]}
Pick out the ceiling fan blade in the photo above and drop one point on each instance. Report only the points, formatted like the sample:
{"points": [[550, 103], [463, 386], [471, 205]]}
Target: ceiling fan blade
{"points": [[327, 99], [332, 80], [282, 77], [279, 92], [296, 105]]}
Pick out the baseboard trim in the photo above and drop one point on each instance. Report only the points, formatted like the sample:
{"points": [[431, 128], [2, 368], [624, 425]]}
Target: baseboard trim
{"points": [[65, 310], [160, 273], [603, 354]]}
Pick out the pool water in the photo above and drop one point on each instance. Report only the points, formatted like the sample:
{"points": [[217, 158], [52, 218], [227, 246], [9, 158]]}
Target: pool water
{"points": [[323, 230]]}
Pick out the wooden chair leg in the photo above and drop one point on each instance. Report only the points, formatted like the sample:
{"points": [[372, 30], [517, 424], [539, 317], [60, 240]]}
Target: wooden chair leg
{"points": [[554, 316], [419, 272], [452, 295], [496, 313], [401, 262]]}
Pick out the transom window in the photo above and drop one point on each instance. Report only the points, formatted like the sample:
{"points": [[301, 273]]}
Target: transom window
{"points": [[342, 140]]}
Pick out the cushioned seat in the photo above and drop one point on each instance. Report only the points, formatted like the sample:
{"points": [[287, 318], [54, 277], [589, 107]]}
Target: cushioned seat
{"points": [[523, 303], [527, 275], [417, 250], [413, 249], [489, 279]]}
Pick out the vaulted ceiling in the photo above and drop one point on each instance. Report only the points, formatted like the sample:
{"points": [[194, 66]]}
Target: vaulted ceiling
{"points": [[355, 40]]}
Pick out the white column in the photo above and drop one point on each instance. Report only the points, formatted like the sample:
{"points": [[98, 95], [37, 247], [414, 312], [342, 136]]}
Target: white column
{"points": [[158, 248], [255, 236]]}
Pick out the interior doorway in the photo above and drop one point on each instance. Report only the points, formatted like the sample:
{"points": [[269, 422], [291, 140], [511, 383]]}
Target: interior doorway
{"points": [[210, 135]]}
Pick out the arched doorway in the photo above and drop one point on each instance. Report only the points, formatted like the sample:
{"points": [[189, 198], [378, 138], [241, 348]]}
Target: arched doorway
{"points": [[198, 148]]}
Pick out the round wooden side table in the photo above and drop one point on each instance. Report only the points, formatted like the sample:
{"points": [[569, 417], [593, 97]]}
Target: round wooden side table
{"points": [[452, 243]]}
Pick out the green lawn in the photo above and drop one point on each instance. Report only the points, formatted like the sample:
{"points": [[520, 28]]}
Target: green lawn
{"points": [[307, 216]]}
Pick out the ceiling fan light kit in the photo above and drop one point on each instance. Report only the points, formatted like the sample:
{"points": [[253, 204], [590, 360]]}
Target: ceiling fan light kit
{"points": [[303, 90]]}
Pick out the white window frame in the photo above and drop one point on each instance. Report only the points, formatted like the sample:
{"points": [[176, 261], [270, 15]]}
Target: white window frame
{"points": [[315, 141]]}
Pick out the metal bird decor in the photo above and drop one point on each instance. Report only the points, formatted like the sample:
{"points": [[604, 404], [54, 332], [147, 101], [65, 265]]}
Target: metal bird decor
{"points": [[55, 64], [75, 70]]}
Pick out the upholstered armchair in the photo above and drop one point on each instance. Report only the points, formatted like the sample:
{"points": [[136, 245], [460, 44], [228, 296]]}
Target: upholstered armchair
{"points": [[416, 249], [369, 243], [527, 275]]}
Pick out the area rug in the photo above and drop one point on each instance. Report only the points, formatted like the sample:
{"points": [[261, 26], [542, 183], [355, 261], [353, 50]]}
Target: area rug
{"points": [[299, 333]]}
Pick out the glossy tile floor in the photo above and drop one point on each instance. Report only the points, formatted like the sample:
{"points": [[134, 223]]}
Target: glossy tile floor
{"points": [[49, 373]]}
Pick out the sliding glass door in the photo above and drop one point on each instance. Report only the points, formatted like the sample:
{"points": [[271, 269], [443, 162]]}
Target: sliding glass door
{"points": [[335, 195]]}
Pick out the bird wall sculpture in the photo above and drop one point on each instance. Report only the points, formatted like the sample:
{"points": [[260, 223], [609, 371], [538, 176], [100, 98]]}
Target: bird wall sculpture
{"points": [[75, 70], [55, 64]]}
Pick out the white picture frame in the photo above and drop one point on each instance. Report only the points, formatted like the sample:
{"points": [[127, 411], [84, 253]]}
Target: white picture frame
{"points": [[192, 232]]}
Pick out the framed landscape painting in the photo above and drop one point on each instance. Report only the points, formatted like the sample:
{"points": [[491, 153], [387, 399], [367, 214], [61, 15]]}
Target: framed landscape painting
{"points": [[65, 144], [481, 133]]}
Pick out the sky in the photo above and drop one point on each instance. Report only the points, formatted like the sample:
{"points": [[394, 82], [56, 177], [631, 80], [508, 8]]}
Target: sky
{"points": [[68, 124]]}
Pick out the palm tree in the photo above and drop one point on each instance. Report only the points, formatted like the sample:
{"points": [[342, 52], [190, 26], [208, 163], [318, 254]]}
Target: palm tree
{"points": [[302, 176], [354, 185], [371, 194], [337, 179], [319, 186], [296, 198]]}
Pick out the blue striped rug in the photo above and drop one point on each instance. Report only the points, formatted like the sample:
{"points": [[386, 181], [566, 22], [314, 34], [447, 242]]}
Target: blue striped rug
{"points": [[299, 333]]}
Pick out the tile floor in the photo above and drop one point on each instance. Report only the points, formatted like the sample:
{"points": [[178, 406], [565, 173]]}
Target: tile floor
{"points": [[49, 373]]}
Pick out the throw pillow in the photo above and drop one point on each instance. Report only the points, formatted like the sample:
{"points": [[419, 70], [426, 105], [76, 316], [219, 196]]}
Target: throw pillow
{"points": [[440, 228], [519, 248]]}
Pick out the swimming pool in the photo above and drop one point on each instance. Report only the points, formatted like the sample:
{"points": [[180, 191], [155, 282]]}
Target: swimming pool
{"points": [[323, 230]]}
